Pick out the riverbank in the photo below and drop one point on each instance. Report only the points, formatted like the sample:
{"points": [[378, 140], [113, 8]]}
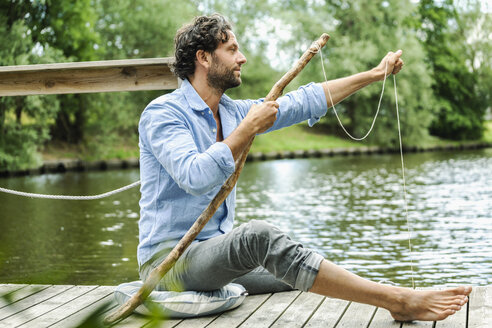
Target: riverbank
{"points": [[294, 142]]}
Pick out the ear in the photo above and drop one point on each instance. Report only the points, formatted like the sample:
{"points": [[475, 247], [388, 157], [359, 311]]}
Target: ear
{"points": [[203, 58]]}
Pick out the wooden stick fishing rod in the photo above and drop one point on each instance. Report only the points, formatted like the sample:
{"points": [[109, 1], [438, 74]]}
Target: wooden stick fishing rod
{"points": [[158, 273]]}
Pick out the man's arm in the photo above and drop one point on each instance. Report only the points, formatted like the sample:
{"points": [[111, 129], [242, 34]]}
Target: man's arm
{"points": [[262, 117], [259, 119], [344, 87]]}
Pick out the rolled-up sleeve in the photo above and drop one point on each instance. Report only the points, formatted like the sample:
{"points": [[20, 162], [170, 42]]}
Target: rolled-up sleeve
{"points": [[222, 155], [171, 142], [306, 103]]}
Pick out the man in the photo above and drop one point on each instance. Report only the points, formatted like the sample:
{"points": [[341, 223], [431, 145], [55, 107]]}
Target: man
{"points": [[189, 140]]}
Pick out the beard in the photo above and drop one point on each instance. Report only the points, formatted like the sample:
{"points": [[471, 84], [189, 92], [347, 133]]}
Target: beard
{"points": [[221, 78]]}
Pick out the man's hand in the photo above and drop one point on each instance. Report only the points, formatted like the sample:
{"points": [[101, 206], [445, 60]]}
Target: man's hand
{"points": [[261, 116], [393, 66], [259, 119]]}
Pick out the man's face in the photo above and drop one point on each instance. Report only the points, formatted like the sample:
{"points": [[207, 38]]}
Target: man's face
{"points": [[225, 70]]}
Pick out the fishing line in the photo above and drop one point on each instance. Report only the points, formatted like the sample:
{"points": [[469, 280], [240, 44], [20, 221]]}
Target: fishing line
{"points": [[318, 50]]}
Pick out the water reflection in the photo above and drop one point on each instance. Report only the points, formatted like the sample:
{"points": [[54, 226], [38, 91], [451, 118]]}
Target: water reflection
{"points": [[73, 242], [350, 209]]}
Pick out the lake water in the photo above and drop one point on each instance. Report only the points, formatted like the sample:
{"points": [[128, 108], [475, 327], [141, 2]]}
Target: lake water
{"points": [[350, 209]]}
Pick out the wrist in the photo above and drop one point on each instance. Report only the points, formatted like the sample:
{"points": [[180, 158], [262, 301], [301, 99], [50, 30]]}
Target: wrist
{"points": [[377, 74], [247, 128]]}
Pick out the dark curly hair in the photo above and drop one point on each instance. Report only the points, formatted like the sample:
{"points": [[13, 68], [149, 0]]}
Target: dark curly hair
{"points": [[204, 33]]}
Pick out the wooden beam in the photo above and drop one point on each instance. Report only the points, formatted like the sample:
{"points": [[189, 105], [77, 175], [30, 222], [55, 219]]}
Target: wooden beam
{"points": [[88, 77]]}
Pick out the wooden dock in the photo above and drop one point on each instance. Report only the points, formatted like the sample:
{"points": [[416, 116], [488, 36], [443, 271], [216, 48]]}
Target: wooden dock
{"points": [[68, 306]]}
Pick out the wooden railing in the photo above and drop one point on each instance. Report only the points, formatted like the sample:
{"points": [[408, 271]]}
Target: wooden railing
{"points": [[87, 77]]}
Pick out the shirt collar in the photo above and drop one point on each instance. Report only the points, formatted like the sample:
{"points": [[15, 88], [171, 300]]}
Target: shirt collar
{"points": [[192, 97], [195, 101]]}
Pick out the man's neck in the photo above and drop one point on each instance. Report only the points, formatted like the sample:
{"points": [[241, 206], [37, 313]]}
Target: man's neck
{"points": [[209, 95]]}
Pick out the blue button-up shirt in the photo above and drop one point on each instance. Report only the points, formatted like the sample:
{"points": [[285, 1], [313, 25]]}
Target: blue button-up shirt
{"points": [[182, 167]]}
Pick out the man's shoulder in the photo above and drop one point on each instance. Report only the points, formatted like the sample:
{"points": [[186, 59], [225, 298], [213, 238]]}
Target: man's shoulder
{"points": [[170, 102], [173, 98], [235, 104]]}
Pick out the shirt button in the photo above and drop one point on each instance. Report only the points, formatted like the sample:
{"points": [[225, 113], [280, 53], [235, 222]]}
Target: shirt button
{"points": [[210, 112], [203, 113], [214, 130]]}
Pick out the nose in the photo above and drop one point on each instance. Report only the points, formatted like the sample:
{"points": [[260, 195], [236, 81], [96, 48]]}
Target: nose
{"points": [[241, 59]]}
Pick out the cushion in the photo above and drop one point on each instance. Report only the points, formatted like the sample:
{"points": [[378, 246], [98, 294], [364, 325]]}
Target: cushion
{"points": [[185, 304]]}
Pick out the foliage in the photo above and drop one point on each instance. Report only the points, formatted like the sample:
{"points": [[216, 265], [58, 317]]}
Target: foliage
{"points": [[445, 83], [362, 32], [44, 31], [488, 132], [130, 29], [69, 27], [462, 99], [24, 121]]}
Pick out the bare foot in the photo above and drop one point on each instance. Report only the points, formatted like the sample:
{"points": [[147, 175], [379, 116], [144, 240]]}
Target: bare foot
{"points": [[429, 305]]}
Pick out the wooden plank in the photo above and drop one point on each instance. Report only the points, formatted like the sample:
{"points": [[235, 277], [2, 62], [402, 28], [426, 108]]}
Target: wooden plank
{"points": [[357, 315], [383, 319], [418, 324], [6, 289], [269, 311], [237, 316], [135, 320], [199, 322], [70, 307], [90, 302], [88, 64], [480, 311], [46, 306], [43, 305], [205, 321], [87, 77], [22, 293], [31, 300], [163, 323], [299, 312], [328, 314], [457, 320]]}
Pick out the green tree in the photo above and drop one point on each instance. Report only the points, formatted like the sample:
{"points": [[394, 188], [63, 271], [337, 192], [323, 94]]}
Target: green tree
{"points": [[130, 29], [461, 102], [362, 32], [41, 31], [24, 121], [68, 26], [475, 23]]}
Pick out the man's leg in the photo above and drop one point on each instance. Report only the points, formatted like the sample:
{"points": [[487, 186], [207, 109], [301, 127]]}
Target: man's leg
{"points": [[211, 264], [260, 281], [404, 304]]}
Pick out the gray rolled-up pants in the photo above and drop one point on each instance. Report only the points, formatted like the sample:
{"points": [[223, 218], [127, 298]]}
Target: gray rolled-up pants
{"points": [[256, 255]]}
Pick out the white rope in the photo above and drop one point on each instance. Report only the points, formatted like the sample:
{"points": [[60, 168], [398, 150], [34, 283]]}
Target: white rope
{"points": [[318, 49], [68, 197], [333, 105], [404, 184]]}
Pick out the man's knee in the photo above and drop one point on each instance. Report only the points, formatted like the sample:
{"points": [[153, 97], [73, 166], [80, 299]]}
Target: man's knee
{"points": [[260, 229]]}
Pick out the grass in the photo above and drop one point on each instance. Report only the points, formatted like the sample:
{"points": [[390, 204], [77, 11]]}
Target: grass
{"points": [[487, 136], [123, 150], [297, 137]]}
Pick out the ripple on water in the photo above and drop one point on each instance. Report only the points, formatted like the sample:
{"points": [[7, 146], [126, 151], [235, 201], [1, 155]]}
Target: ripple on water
{"points": [[351, 211]]}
